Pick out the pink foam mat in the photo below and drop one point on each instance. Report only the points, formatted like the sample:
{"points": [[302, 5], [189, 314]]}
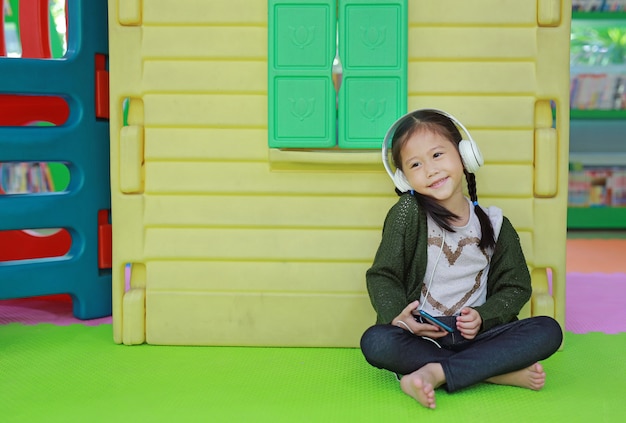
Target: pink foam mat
{"points": [[595, 302], [32, 311]]}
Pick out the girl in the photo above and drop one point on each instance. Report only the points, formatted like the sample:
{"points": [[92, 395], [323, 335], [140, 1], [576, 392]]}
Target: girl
{"points": [[443, 254]]}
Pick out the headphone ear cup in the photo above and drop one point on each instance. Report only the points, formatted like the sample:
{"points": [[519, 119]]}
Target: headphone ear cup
{"points": [[471, 155], [401, 182]]}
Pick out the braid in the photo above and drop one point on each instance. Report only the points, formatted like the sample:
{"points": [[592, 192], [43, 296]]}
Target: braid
{"points": [[471, 186], [441, 215], [487, 239]]}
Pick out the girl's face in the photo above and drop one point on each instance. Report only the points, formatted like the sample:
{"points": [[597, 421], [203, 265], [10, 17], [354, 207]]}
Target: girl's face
{"points": [[433, 167]]}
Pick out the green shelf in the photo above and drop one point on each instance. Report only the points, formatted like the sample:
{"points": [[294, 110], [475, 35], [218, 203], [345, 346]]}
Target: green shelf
{"points": [[597, 114], [596, 217], [598, 15]]}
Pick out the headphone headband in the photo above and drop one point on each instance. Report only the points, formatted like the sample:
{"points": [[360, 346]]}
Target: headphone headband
{"points": [[470, 154]]}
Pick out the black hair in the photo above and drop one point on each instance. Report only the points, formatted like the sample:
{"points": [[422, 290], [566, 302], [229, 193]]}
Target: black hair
{"points": [[440, 124]]}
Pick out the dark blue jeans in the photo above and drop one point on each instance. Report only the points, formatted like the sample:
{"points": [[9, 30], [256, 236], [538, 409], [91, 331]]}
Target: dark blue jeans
{"points": [[497, 351]]}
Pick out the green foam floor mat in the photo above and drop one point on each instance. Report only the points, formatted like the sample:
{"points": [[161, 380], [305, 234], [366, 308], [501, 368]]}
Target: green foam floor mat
{"points": [[77, 374]]}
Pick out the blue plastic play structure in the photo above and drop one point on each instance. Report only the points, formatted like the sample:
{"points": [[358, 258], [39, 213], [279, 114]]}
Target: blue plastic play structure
{"points": [[82, 144]]}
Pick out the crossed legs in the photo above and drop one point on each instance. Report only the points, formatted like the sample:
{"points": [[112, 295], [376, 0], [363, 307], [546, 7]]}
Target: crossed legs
{"points": [[506, 355]]}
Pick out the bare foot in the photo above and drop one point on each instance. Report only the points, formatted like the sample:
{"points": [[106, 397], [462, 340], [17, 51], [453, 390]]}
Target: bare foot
{"points": [[421, 384], [532, 377]]}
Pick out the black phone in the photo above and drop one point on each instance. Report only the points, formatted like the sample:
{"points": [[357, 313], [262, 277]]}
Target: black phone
{"points": [[434, 321]]}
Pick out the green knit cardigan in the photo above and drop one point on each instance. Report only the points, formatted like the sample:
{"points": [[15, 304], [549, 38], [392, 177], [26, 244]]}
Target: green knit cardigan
{"points": [[397, 274]]}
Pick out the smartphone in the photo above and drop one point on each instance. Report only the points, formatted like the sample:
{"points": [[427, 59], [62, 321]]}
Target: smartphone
{"points": [[434, 321]]}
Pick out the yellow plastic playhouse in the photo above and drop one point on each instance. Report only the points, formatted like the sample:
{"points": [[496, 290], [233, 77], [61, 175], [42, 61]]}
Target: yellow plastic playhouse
{"points": [[248, 198]]}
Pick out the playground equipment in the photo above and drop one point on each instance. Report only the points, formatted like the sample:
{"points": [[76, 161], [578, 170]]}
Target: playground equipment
{"points": [[72, 94], [235, 242]]}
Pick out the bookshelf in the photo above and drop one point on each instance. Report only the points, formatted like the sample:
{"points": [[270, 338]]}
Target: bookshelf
{"points": [[33, 177], [598, 119], [597, 114], [599, 15]]}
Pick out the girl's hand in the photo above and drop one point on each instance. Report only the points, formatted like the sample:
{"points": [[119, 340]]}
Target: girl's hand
{"points": [[406, 320], [469, 323]]}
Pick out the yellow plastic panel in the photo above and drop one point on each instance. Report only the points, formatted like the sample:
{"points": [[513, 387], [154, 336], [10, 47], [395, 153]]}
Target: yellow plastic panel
{"points": [[224, 177], [194, 178], [549, 12], [518, 210], [542, 301], [334, 159], [546, 155], [261, 244], [135, 111], [543, 114], [245, 276], [219, 76], [190, 110], [489, 78], [549, 244], [224, 42], [475, 12], [504, 181], [129, 12], [235, 238], [471, 43], [542, 304], [126, 229], [134, 308], [118, 289], [134, 317], [508, 146], [128, 241], [478, 112], [205, 144], [228, 210], [255, 318], [193, 12], [131, 159]]}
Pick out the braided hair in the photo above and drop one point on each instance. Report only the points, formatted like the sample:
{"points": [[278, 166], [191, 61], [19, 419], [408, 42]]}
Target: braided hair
{"points": [[440, 124]]}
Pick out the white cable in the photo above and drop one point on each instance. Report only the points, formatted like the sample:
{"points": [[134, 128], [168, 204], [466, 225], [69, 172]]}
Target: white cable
{"points": [[431, 340], [405, 325]]}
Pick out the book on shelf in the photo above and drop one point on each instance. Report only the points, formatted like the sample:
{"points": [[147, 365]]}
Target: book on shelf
{"points": [[23, 178], [598, 91], [599, 5], [597, 187]]}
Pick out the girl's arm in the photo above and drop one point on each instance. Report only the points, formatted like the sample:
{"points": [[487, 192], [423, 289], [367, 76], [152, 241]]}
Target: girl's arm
{"points": [[388, 277], [508, 283]]}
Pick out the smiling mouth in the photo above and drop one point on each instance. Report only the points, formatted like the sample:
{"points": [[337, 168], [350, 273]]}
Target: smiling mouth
{"points": [[438, 183]]}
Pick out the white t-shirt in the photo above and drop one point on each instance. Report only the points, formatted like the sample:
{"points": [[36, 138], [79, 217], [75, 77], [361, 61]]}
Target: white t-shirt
{"points": [[456, 275]]}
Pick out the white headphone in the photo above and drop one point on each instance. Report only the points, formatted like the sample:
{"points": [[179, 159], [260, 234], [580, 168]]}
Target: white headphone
{"points": [[468, 149]]}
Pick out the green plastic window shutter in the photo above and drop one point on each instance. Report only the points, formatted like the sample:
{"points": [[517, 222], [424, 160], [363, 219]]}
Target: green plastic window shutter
{"points": [[373, 49], [301, 96]]}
